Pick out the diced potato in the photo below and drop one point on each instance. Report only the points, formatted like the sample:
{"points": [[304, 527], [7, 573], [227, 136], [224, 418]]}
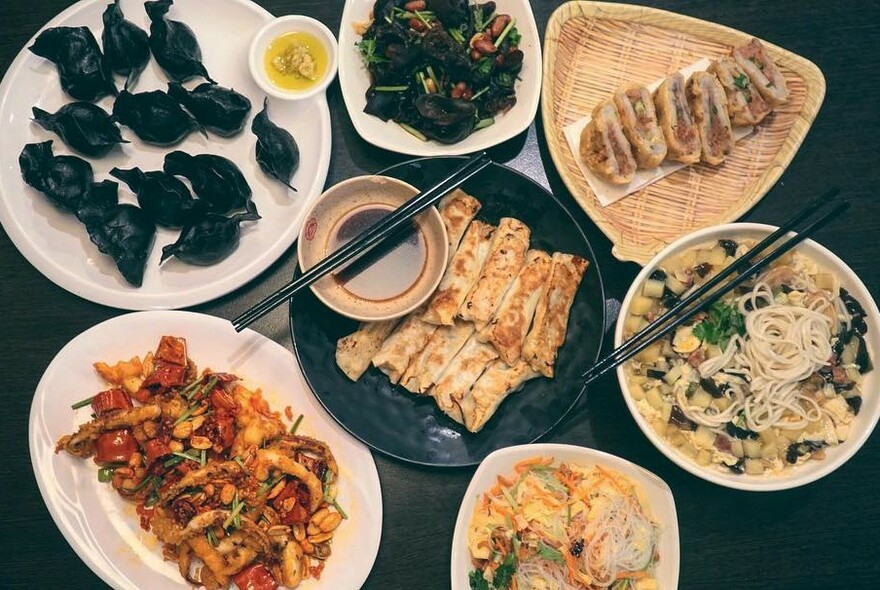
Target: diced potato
{"points": [[689, 258], [672, 430], [673, 374], [701, 399], [704, 437], [655, 399], [637, 379], [824, 280], [768, 436], [675, 285], [736, 448], [659, 426], [634, 323], [688, 450], [646, 584], [720, 403], [751, 448], [678, 438], [649, 354], [653, 288], [793, 435], [640, 305], [716, 256], [704, 457], [769, 451], [713, 350], [636, 391], [754, 466], [666, 412], [666, 348], [817, 426], [665, 389]]}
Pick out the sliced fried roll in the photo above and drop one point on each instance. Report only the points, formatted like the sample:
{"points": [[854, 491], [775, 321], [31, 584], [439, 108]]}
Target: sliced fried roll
{"points": [[709, 106], [493, 386], [676, 121], [639, 121], [402, 345], [509, 327], [461, 274], [762, 71], [460, 375], [605, 149], [507, 254], [457, 209], [354, 352], [745, 104], [429, 364], [551, 317]]}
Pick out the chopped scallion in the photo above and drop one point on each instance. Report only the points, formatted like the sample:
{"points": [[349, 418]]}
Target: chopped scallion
{"points": [[238, 460], [82, 403], [505, 32], [296, 424], [335, 504], [483, 123], [212, 538], [479, 93], [105, 474], [390, 88]]}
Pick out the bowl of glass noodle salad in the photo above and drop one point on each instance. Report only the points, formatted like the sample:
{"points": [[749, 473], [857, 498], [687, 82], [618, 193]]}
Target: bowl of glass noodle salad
{"points": [[562, 517], [774, 385]]}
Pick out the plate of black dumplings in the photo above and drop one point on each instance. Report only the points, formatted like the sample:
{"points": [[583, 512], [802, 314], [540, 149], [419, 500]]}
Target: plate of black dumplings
{"points": [[141, 166]]}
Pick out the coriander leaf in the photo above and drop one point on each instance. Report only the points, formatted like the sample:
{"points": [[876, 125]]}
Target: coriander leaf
{"points": [[477, 581], [550, 554], [741, 81], [722, 322], [504, 573]]}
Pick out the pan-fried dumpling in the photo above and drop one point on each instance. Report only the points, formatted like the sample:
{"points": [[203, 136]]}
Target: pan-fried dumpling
{"points": [[639, 120], [605, 149], [745, 104], [709, 105], [762, 71], [676, 121]]}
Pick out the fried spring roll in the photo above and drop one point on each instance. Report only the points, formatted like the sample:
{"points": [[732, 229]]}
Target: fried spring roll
{"points": [[551, 317], [429, 364], [457, 209], [745, 104], [709, 105], [763, 72], [461, 274], [402, 345], [605, 149], [460, 375], [507, 254], [676, 121], [639, 120], [354, 352], [492, 388]]}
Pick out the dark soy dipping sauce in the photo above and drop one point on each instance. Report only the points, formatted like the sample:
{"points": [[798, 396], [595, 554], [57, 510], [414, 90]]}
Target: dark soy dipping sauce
{"points": [[387, 271]]}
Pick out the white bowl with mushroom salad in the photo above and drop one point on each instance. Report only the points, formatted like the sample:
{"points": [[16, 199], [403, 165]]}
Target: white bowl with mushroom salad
{"points": [[773, 387]]}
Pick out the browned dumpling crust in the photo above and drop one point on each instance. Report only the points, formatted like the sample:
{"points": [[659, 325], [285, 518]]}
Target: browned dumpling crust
{"points": [[763, 72], [709, 106], [429, 364], [676, 121], [639, 120], [355, 351], [745, 104], [605, 149], [457, 210], [404, 343]]}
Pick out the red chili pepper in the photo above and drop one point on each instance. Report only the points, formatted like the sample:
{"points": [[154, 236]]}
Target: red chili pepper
{"points": [[255, 577], [113, 399], [155, 448], [116, 446], [171, 350], [163, 378], [221, 399]]}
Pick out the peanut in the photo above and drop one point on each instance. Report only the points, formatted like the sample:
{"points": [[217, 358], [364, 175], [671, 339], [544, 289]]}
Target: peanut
{"points": [[182, 430], [415, 5], [200, 442], [227, 493], [299, 532], [197, 422], [176, 446], [330, 523], [307, 547], [320, 538], [417, 25], [276, 490], [498, 24]]}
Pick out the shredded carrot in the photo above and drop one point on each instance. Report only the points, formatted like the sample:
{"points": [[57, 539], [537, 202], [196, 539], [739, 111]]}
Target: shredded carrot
{"points": [[632, 575], [526, 463], [505, 482]]}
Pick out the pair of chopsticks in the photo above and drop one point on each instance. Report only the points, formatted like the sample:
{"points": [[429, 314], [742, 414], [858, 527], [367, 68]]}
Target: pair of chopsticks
{"points": [[701, 298], [378, 232]]}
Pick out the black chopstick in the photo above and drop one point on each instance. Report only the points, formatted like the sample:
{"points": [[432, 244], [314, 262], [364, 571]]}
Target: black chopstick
{"points": [[368, 239], [738, 265], [640, 344]]}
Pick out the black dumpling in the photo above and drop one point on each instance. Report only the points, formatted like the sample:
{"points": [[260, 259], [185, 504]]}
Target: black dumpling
{"points": [[65, 180], [154, 116], [174, 45], [163, 196], [102, 197], [126, 46], [125, 233], [277, 152], [83, 126], [211, 239], [82, 68], [215, 180], [222, 111]]}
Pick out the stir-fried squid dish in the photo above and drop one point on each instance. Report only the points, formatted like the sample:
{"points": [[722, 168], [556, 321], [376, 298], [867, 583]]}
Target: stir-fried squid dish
{"points": [[563, 527], [767, 378], [233, 494]]}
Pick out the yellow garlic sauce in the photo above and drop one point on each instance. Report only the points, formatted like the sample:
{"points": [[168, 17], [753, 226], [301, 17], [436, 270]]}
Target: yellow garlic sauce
{"points": [[282, 45]]}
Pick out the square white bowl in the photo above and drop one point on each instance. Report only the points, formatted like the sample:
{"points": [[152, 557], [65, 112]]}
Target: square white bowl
{"points": [[355, 80], [660, 503]]}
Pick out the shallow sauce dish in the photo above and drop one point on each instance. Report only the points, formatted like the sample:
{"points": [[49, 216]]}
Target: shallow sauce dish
{"points": [[790, 476], [502, 462], [355, 80]]}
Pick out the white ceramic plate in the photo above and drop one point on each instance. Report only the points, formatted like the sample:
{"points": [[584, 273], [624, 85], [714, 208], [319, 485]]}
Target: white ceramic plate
{"points": [[869, 413], [103, 529], [57, 244], [502, 462], [355, 80]]}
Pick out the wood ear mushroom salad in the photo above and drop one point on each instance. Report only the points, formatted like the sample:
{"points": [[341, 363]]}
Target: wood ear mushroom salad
{"points": [[234, 495]]}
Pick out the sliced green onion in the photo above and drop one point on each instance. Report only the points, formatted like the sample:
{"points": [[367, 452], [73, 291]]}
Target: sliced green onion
{"points": [[421, 78], [483, 123], [435, 80], [82, 403], [421, 17], [413, 131], [173, 461], [405, 15], [480, 93], [151, 501], [184, 457], [105, 474], [144, 482], [185, 416], [241, 464], [203, 458], [234, 518], [335, 504], [296, 424], [212, 538], [504, 33], [390, 88], [267, 485], [456, 34], [202, 390], [189, 388]]}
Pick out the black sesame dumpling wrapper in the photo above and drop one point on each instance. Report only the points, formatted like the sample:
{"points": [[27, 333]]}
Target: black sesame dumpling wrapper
{"points": [[125, 233], [215, 179], [277, 152], [211, 239], [101, 198], [64, 180], [126, 46], [82, 68], [83, 126], [163, 196], [222, 111], [155, 117], [173, 44]]}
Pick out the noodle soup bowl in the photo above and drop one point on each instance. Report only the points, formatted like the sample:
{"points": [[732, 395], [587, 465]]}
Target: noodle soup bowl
{"points": [[791, 475]]}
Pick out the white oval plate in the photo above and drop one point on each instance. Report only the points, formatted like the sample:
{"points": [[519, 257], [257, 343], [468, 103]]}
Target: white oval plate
{"points": [[861, 428], [103, 529], [57, 244], [355, 80], [502, 462]]}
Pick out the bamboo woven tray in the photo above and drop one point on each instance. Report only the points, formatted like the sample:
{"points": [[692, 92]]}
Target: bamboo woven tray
{"points": [[592, 47]]}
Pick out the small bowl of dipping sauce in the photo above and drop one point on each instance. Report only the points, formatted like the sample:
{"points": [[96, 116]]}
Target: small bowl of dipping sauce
{"points": [[393, 278], [293, 57]]}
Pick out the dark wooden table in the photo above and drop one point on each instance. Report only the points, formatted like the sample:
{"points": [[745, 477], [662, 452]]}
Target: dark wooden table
{"points": [[826, 535]]}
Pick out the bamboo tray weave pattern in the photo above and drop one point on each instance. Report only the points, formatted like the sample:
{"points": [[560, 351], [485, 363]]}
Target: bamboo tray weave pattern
{"points": [[592, 47]]}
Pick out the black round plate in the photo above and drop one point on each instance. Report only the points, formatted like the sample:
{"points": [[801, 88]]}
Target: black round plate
{"points": [[395, 422]]}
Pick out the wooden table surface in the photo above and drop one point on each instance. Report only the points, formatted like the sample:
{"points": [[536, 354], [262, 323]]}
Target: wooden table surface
{"points": [[825, 535]]}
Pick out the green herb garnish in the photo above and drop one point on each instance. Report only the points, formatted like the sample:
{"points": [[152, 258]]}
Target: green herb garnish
{"points": [[367, 47], [722, 323], [105, 474], [549, 553], [477, 581], [504, 573], [82, 403], [741, 81], [212, 538]]}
